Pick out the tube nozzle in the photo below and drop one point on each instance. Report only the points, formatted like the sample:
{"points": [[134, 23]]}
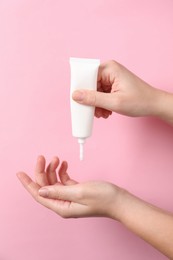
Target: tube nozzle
{"points": [[81, 142]]}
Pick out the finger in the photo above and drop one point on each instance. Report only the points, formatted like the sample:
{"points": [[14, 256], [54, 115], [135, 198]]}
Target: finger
{"points": [[94, 98], [63, 208], [28, 184], [40, 164], [60, 192], [51, 171], [100, 112], [66, 209], [106, 88], [63, 175], [33, 189], [40, 176]]}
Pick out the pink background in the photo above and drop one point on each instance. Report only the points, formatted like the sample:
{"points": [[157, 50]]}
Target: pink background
{"points": [[37, 37]]}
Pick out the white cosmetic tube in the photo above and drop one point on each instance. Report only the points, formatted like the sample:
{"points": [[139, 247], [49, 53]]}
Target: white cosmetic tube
{"points": [[83, 76]]}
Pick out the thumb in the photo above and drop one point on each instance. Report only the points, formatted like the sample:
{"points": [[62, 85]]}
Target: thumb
{"points": [[94, 98], [59, 192]]}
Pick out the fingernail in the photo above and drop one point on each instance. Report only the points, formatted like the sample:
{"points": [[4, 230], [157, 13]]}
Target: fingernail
{"points": [[43, 192], [78, 95]]}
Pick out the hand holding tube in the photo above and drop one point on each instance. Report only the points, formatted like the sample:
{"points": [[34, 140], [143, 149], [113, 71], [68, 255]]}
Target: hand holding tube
{"points": [[119, 90]]}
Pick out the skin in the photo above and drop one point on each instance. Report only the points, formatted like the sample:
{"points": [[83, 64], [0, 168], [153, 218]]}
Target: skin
{"points": [[69, 198], [119, 90]]}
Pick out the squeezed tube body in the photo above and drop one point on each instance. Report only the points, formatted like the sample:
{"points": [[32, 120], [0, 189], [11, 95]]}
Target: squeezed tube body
{"points": [[83, 76]]}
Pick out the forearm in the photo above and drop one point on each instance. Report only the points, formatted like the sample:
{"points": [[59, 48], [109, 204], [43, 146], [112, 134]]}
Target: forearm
{"points": [[150, 223]]}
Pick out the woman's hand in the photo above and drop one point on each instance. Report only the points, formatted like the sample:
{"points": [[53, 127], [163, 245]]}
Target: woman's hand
{"points": [[121, 91], [68, 198]]}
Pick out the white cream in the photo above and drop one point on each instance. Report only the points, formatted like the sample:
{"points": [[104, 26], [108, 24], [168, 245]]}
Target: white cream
{"points": [[83, 76]]}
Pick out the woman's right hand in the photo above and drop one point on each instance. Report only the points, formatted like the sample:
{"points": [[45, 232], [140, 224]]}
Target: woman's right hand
{"points": [[119, 90]]}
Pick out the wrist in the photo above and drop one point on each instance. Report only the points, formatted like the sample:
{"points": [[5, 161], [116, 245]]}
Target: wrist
{"points": [[163, 106], [127, 206], [118, 205]]}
